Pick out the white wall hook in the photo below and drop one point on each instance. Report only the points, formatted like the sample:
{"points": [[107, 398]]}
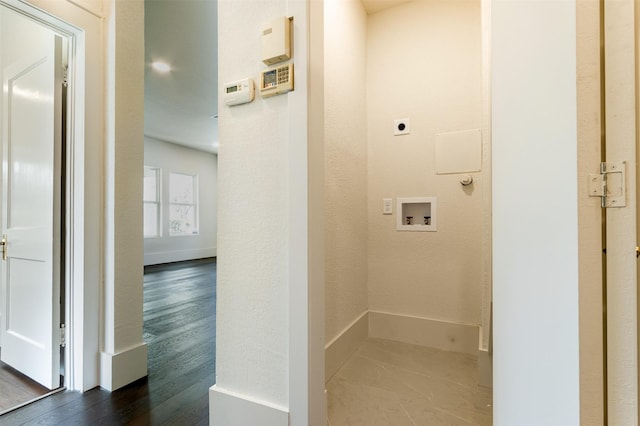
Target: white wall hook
{"points": [[467, 180]]}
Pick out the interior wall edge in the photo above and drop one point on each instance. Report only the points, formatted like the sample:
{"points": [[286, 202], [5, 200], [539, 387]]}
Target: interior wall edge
{"points": [[340, 348]]}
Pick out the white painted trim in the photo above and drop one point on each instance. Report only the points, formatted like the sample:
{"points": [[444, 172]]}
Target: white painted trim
{"points": [[155, 258], [307, 402], [117, 370], [339, 349], [448, 336], [228, 408], [487, 247]]}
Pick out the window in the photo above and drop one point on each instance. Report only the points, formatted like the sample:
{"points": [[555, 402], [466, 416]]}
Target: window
{"points": [[183, 204], [151, 199]]}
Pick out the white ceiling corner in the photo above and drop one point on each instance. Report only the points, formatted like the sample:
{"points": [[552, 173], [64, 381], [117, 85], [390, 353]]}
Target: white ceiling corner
{"points": [[374, 6]]}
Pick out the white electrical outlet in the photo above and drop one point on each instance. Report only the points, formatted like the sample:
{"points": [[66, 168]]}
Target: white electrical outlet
{"points": [[401, 127], [387, 206]]}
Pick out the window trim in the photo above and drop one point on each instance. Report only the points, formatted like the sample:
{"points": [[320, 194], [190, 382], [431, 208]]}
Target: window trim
{"points": [[158, 202]]}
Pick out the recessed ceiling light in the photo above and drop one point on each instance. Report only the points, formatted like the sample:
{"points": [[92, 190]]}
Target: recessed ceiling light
{"points": [[161, 67]]}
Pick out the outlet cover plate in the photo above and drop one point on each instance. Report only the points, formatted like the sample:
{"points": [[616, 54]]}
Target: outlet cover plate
{"points": [[387, 206]]}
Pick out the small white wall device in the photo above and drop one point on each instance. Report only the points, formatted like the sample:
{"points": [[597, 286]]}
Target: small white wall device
{"points": [[276, 81], [239, 92], [276, 41]]}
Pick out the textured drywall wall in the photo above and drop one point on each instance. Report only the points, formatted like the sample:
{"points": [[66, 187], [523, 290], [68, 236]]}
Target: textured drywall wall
{"points": [[172, 158], [252, 348], [124, 162], [424, 63], [345, 164], [270, 315], [535, 213]]}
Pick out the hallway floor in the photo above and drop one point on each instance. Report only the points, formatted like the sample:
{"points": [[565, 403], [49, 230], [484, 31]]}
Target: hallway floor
{"points": [[16, 388], [179, 328], [397, 384]]}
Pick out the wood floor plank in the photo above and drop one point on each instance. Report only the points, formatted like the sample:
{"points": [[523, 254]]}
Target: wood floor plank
{"points": [[179, 328], [16, 388]]}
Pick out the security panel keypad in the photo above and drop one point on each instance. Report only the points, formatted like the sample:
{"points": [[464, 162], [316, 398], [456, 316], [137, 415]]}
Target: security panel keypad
{"points": [[276, 81]]}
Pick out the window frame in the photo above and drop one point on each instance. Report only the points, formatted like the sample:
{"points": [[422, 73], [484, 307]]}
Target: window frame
{"points": [[195, 204], [158, 202]]}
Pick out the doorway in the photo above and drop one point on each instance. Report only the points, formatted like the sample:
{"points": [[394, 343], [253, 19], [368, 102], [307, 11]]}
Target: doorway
{"points": [[416, 290], [34, 65], [180, 192]]}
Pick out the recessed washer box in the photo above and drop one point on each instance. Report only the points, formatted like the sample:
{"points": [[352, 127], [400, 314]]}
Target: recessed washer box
{"points": [[416, 214]]}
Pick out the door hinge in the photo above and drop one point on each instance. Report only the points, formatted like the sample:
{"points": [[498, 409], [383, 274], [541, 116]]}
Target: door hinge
{"points": [[610, 184], [63, 335], [65, 77]]}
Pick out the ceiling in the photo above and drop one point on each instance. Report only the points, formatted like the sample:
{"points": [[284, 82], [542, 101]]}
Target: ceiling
{"points": [[373, 6], [181, 106]]}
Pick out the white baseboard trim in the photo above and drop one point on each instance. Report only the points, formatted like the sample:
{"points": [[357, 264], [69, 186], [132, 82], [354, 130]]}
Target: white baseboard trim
{"points": [[156, 258], [438, 334], [228, 409], [122, 368], [485, 369], [339, 349]]}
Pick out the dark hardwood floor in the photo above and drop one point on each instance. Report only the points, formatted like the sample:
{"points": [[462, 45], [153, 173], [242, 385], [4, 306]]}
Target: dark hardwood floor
{"points": [[179, 327], [16, 388]]}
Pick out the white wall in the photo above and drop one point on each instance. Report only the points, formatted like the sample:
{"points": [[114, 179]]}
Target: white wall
{"points": [[425, 63], [270, 261], [345, 164], [535, 220], [179, 159], [123, 356], [253, 218]]}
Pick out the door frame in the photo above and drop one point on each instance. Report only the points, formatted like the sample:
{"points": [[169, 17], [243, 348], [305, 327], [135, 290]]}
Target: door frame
{"points": [[83, 187], [620, 103]]}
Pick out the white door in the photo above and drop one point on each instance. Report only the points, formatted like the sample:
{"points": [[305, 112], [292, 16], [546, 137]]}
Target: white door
{"points": [[31, 140]]}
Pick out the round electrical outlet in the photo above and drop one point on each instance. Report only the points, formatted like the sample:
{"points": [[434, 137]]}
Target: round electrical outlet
{"points": [[401, 127]]}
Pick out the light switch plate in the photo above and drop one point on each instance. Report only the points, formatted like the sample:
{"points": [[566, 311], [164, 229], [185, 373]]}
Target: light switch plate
{"points": [[387, 206]]}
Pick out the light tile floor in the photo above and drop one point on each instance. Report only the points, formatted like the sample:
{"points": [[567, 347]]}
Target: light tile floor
{"points": [[397, 384]]}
